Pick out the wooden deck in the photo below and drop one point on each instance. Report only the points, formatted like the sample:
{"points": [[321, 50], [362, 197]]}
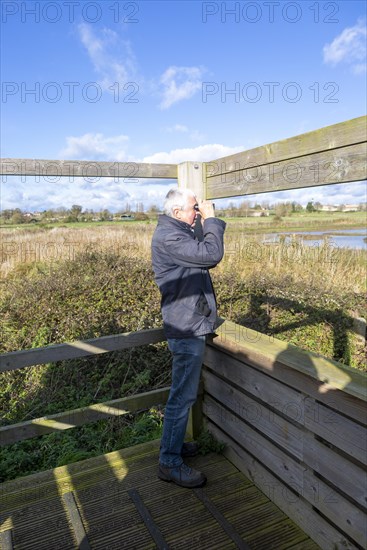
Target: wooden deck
{"points": [[116, 501]]}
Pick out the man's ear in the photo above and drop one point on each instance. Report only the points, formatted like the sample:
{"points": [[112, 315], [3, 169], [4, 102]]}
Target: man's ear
{"points": [[177, 213]]}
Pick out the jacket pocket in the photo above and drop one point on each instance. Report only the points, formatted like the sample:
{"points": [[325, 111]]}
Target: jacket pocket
{"points": [[202, 306]]}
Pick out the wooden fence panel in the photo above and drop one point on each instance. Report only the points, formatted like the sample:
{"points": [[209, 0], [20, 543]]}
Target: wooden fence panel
{"points": [[337, 386], [344, 474], [335, 428], [278, 429], [255, 382], [290, 471], [334, 506], [302, 418]]}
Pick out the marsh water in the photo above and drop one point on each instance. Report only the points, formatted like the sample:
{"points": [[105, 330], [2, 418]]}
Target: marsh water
{"points": [[341, 238]]}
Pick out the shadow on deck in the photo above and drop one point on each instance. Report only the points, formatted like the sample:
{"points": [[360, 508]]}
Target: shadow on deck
{"points": [[116, 501]]}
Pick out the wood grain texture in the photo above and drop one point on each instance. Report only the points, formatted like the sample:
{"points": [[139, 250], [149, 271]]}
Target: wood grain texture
{"points": [[342, 165], [35, 506], [84, 168]]}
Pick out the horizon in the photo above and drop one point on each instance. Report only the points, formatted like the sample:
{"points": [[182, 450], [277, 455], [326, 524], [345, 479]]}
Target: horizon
{"points": [[138, 208]]}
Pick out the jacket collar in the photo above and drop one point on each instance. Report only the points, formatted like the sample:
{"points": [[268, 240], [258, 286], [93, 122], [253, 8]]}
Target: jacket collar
{"points": [[167, 221]]}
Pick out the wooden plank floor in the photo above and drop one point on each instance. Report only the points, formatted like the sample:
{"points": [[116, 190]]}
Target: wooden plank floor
{"points": [[116, 501]]}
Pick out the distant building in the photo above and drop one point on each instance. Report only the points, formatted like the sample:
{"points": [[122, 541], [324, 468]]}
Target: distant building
{"points": [[258, 213], [350, 208], [32, 214], [329, 208], [126, 217], [31, 217], [340, 208]]}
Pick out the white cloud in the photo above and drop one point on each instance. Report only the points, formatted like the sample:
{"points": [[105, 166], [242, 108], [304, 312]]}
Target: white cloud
{"points": [[180, 83], [112, 58], [114, 62], [349, 47], [95, 147], [202, 153], [37, 194]]}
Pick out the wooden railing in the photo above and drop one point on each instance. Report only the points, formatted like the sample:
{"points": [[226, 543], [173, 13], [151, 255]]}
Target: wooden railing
{"points": [[78, 417], [334, 154], [294, 422]]}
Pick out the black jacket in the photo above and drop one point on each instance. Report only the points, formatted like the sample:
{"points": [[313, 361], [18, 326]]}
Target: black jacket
{"points": [[181, 263]]}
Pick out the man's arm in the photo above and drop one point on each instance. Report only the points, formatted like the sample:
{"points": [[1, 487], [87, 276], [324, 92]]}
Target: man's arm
{"points": [[189, 252]]}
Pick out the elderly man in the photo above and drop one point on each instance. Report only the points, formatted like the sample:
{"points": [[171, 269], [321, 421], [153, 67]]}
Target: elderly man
{"points": [[181, 263]]}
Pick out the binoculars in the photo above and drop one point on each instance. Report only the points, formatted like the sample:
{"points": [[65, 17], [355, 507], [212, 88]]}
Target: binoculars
{"points": [[196, 207]]}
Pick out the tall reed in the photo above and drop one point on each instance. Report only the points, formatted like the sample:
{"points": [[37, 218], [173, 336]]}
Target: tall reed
{"points": [[338, 269]]}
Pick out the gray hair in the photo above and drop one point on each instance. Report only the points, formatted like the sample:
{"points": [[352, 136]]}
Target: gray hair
{"points": [[177, 198]]}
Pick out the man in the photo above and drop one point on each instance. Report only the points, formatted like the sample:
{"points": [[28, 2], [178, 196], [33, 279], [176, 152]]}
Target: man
{"points": [[181, 263]]}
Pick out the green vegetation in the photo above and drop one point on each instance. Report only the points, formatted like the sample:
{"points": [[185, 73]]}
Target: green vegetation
{"points": [[208, 444], [64, 284], [60, 448]]}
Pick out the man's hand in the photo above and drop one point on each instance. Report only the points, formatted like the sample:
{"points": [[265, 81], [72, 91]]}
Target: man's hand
{"points": [[206, 209]]}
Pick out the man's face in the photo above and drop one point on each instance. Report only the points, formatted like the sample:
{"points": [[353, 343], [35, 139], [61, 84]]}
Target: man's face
{"points": [[188, 214]]}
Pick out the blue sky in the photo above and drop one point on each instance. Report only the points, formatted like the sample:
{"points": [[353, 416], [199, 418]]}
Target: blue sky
{"points": [[168, 82]]}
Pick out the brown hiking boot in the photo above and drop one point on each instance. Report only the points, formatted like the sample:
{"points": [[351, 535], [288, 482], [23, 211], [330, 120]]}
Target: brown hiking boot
{"points": [[182, 475]]}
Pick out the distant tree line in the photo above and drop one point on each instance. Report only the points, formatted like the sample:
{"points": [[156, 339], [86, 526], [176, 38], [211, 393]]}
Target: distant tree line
{"points": [[74, 214], [280, 209], [78, 214]]}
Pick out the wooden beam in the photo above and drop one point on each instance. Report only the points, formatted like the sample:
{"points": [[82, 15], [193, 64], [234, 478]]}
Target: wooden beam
{"points": [[78, 417], [329, 167], [84, 168], [80, 348], [334, 154]]}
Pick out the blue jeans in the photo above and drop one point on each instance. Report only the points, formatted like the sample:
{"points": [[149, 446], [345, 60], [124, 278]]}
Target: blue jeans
{"points": [[188, 356]]}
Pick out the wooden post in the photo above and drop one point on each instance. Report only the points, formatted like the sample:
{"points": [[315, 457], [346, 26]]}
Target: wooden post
{"points": [[195, 423], [190, 176]]}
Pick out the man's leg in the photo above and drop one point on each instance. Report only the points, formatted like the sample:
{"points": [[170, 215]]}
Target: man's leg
{"points": [[186, 367]]}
